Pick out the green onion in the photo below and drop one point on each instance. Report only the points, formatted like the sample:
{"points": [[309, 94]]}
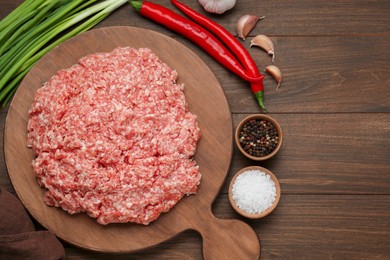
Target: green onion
{"points": [[19, 11], [50, 22]]}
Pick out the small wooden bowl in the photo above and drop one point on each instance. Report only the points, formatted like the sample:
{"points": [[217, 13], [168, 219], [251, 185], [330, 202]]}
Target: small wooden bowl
{"points": [[263, 117], [267, 211]]}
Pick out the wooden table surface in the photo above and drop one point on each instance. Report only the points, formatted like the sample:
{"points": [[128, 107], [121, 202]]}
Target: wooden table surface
{"points": [[334, 108]]}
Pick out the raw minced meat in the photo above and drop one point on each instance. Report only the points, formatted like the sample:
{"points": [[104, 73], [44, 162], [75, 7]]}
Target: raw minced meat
{"points": [[113, 137]]}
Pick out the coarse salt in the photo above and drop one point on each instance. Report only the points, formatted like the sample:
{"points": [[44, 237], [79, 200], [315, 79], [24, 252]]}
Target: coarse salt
{"points": [[254, 191]]}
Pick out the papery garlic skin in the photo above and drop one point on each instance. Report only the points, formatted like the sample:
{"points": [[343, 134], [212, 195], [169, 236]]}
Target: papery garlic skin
{"points": [[246, 23], [276, 73], [217, 6], [265, 43]]}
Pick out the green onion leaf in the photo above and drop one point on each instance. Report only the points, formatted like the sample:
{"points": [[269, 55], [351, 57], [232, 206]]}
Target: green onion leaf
{"points": [[37, 26]]}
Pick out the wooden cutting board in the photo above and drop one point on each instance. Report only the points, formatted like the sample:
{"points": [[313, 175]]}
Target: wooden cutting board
{"points": [[222, 239]]}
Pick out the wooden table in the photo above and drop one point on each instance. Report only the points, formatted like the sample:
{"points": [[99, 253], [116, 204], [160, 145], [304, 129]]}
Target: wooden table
{"points": [[334, 108]]}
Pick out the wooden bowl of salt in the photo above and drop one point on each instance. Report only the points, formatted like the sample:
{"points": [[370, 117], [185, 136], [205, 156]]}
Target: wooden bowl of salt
{"points": [[254, 192]]}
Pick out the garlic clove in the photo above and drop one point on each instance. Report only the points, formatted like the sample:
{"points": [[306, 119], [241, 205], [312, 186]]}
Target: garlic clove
{"points": [[265, 43], [275, 73], [246, 23], [217, 6]]}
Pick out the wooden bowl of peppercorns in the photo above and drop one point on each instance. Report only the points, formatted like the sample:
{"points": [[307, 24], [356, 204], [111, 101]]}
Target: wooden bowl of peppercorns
{"points": [[259, 137]]}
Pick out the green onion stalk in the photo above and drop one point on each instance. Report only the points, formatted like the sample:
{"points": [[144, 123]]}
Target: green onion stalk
{"points": [[24, 41]]}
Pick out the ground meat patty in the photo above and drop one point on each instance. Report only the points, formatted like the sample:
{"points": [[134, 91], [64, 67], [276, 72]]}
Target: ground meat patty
{"points": [[113, 137]]}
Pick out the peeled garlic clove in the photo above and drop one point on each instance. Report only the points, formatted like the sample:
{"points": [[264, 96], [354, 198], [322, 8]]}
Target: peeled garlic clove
{"points": [[275, 73], [265, 43], [217, 6], [246, 23]]}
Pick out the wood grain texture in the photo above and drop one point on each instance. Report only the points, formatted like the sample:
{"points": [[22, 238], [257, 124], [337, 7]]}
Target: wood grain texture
{"points": [[283, 18], [286, 17], [301, 227], [324, 227], [329, 154], [328, 75], [192, 212], [333, 105], [324, 62]]}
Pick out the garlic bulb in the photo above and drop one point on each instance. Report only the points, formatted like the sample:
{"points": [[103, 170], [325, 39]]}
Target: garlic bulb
{"points": [[246, 23], [217, 6]]}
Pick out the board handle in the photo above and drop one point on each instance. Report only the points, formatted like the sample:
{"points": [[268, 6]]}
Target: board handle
{"points": [[228, 239]]}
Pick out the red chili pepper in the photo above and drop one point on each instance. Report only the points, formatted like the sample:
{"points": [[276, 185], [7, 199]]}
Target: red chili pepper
{"points": [[194, 32], [232, 43]]}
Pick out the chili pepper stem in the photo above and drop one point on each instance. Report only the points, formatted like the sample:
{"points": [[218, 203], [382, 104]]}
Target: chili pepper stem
{"points": [[136, 5], [260, 100]]}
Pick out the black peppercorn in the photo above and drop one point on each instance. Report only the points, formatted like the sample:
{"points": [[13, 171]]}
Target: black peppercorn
{"points": [[258, 137]]}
